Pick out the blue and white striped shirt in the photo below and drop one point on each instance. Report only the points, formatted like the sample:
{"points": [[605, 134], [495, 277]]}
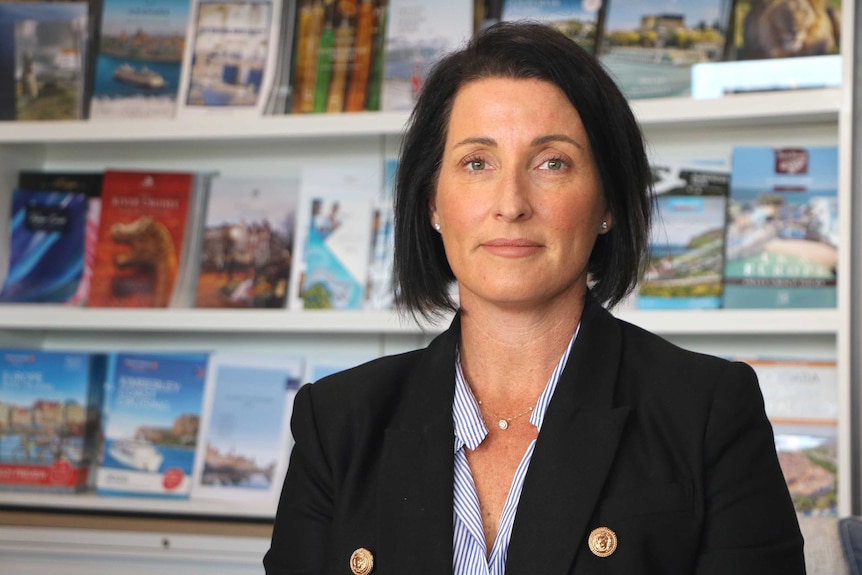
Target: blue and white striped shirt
{"points": [[470, 431]]}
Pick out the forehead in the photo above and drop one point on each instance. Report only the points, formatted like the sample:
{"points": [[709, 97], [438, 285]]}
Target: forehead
{"points": [[501, 103]]}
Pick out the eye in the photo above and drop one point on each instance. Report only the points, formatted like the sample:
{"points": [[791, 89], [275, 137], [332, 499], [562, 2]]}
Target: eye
{"points": [[475, 164], [553, 164]]}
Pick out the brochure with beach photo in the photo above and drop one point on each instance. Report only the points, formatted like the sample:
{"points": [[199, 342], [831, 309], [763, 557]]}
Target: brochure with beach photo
{"points": [[141, 44], [687, 239], [245, 426], [781, 247], [150, 423]]}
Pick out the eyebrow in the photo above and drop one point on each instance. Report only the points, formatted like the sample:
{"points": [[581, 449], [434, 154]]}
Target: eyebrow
{"points": [[484, 141]]}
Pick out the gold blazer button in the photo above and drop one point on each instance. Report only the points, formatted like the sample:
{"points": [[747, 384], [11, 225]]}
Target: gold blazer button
{"points": [[361, 562], [602, 541]]}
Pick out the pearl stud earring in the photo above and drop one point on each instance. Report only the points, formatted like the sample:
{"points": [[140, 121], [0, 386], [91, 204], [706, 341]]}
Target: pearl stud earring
{"points": [[437, 227], [604, 225]]}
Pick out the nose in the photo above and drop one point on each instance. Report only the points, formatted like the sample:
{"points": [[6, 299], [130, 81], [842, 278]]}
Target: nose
{"points": [[513, 198]]}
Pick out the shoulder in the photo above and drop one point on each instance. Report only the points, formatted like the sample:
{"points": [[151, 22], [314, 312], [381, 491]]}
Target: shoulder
{"points": [[652, 366]]}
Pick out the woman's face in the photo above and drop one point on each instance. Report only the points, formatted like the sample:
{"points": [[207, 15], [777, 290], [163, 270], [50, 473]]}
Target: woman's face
{"points": [[518, 201]]}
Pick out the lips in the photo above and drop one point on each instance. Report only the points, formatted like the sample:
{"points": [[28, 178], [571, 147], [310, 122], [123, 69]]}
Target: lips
{"points": [[517, 247]]}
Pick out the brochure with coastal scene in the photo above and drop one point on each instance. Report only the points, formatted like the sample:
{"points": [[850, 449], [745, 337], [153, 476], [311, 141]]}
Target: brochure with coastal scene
{"points": [[781, 248], [687, 238], [139, 61], [578, 19], [150, 423], [245, 434], [51, 400]]}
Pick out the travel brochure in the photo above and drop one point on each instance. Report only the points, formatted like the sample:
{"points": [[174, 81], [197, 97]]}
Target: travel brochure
{"points": [[168, 58], [245, 435]]}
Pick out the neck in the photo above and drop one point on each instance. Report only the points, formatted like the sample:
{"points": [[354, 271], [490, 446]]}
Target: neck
{"points": [[507, 358]]}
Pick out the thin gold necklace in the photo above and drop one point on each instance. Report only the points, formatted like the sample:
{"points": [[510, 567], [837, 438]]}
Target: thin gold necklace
{"points": [[503, 422]]}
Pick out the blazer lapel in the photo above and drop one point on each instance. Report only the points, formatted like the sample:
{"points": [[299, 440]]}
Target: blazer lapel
{"points": [[417, 468], [573, 454]]}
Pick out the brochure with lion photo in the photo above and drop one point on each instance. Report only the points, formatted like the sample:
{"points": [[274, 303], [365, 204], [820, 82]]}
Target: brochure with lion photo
{"points": [[775, 45], [141, 235]]}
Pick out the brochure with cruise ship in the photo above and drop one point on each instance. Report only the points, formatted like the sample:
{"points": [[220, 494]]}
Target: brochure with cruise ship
{"points": [[139, 58], [150, 423]]}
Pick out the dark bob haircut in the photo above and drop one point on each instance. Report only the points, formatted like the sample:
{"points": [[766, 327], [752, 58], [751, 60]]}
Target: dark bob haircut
{"points": [[522, 50]]}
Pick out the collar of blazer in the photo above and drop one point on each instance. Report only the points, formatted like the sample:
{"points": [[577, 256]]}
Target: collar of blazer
{"points": [[571, 460]]}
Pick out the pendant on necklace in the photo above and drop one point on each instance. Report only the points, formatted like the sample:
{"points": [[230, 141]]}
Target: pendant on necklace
{"points": [[503, 424]]}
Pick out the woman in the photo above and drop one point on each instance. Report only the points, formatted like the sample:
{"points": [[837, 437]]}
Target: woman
{"points": [[538, 434]]}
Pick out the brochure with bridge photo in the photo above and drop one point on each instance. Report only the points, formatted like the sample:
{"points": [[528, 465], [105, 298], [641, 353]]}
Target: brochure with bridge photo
{"points": [[150, 423], [245, 427]]}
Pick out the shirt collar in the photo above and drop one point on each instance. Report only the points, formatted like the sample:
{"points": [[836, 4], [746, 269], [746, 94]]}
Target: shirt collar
{"points": [[470, 429]]}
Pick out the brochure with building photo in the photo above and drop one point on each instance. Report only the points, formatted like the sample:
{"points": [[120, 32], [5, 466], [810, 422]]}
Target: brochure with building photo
{"points": [[247, 249], [650, 49], [49, 418], [245, 434], [231, 59]]}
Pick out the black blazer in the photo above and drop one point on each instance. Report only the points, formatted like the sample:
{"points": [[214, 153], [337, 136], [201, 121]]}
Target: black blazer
{"points": [[668, 448]]}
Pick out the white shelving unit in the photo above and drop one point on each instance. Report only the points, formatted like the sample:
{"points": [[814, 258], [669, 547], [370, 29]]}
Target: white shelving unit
{"points": [[280, 146]]}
